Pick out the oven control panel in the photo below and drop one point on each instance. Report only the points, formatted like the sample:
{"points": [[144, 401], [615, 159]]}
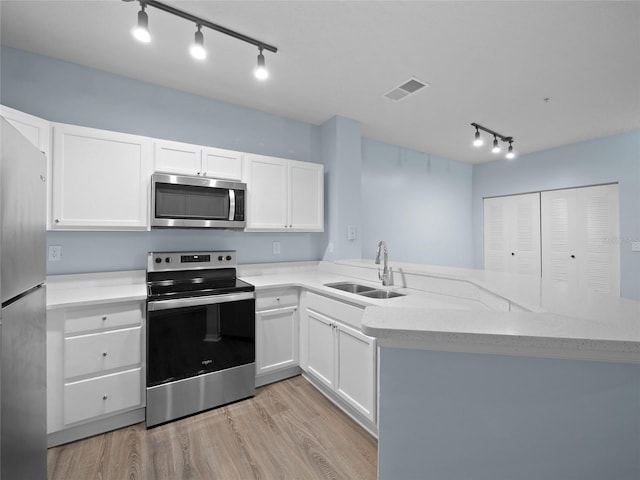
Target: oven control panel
{"points": [[160, 261]]}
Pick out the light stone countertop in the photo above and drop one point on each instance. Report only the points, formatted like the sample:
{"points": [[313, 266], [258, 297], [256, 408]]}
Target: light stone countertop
{"points": [[453, 309]]}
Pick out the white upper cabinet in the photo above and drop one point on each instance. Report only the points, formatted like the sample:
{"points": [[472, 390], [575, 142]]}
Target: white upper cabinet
{"points": [[37, 131], [284, 195], [580, 229], [512, 234], [188, 159], [100, 179]]}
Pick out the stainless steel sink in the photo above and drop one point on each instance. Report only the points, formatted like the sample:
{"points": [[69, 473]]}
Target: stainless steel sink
{"points": [[381, 294], [363, 290], [350, 287]]}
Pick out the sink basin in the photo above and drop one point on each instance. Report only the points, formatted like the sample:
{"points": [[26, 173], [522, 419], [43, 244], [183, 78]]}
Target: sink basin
{"points": [[381, 294], [350, 287]]}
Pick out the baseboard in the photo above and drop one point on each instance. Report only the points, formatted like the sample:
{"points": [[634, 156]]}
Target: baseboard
{"points": [[97, 427], [277, 376]]}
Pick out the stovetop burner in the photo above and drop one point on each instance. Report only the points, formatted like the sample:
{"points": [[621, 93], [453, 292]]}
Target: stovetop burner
{"points": [[172, 275]]}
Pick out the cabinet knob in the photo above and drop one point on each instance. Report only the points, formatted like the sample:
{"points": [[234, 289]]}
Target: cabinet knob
{"points": [[104, 318], [290, 226], [57, 220], [573, 256], [198, 173], [513, 254], [104, 354], [105, 396], [277, 299]]}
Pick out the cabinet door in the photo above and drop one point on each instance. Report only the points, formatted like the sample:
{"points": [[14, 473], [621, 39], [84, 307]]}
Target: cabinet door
{"points": [[37, 130], [219, 163], [178, 158], [356, 370], [277, 339], [306, 200], [94, 397], [98, 352], [320, 348], [267, 193], [100, 179]]}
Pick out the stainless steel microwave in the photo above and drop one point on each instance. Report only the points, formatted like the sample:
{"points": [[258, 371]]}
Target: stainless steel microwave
{"points": [[196, 202]]}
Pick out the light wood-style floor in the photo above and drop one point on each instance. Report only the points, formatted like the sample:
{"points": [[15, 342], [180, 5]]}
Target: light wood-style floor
{"points": [[287, 431]]}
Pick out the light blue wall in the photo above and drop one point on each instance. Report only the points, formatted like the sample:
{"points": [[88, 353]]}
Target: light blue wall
{"points": [[419, 203], [69, 93], [341, 151], [488, 417], [605, 160]]}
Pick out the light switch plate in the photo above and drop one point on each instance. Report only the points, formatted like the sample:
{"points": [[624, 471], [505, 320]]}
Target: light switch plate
{"points": [[276, 248], [635, 246]]}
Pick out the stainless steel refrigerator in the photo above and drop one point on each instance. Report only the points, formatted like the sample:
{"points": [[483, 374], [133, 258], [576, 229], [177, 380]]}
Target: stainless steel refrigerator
{"points": [[23, 414]]}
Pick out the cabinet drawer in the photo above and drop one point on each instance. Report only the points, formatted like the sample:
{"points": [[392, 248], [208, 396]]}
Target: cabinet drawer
{"points": [[92, 398], [344, 312], [103, 317], [98, 352], [275, 298]]}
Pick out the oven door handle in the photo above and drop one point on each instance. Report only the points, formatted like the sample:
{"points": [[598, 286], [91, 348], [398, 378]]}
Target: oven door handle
{"points": [[157, 305]]}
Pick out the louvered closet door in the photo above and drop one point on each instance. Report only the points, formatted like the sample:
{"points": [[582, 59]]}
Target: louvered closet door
{"points": [[524, 234], [495, 235], [512, 234], [580, 252], [559, 229], [598, 246]]}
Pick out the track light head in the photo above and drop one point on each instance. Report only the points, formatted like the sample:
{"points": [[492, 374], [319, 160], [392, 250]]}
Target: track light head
{"points": [[261, 71], [477, 142], [141, 30], [197, 49], [510, 154], [496, 147]]}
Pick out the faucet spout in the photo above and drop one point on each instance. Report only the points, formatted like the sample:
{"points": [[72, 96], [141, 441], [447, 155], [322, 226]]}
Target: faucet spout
{"points": [[385, 276]]}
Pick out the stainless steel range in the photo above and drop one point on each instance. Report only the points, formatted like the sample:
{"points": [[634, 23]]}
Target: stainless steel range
{"points": [[200, 334]]}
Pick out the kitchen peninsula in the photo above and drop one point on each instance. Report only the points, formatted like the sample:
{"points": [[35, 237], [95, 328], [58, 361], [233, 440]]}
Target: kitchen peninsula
{"points": [[475, 374]]}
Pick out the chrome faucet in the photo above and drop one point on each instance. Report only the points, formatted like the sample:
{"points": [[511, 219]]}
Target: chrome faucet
{"points": [[386, 275]]}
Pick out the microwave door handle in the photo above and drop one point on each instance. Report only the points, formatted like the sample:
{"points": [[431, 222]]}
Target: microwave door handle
{"points": [[232, 204]]}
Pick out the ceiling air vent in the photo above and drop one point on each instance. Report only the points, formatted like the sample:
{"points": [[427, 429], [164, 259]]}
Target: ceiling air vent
{"points": [[407, 88]]}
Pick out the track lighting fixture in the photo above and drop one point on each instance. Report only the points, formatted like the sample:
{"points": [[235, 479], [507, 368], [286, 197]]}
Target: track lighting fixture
{"points": [[141, 32], [496, 147], [261, 71], [477, 141], [197, 47], [510, 155]]}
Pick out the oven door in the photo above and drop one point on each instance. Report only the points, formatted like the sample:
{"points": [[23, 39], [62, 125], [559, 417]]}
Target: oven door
{"points": [[194, 336]]}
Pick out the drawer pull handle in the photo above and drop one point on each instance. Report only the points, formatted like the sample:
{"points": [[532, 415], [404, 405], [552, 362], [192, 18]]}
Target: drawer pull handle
{"points": [[105, 396], [104, 354]]}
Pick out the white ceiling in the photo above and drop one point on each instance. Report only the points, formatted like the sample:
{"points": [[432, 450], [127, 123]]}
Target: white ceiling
{"points": [[492, 63]]}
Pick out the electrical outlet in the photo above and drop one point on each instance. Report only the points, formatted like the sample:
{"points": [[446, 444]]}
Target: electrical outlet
{"points": [[352, 232], [635, 246], [276, 248], [55, 253]]}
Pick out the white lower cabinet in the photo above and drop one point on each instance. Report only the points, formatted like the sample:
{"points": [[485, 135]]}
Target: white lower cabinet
{"points": [[277, 335], [95, 358], [339, 356]]}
